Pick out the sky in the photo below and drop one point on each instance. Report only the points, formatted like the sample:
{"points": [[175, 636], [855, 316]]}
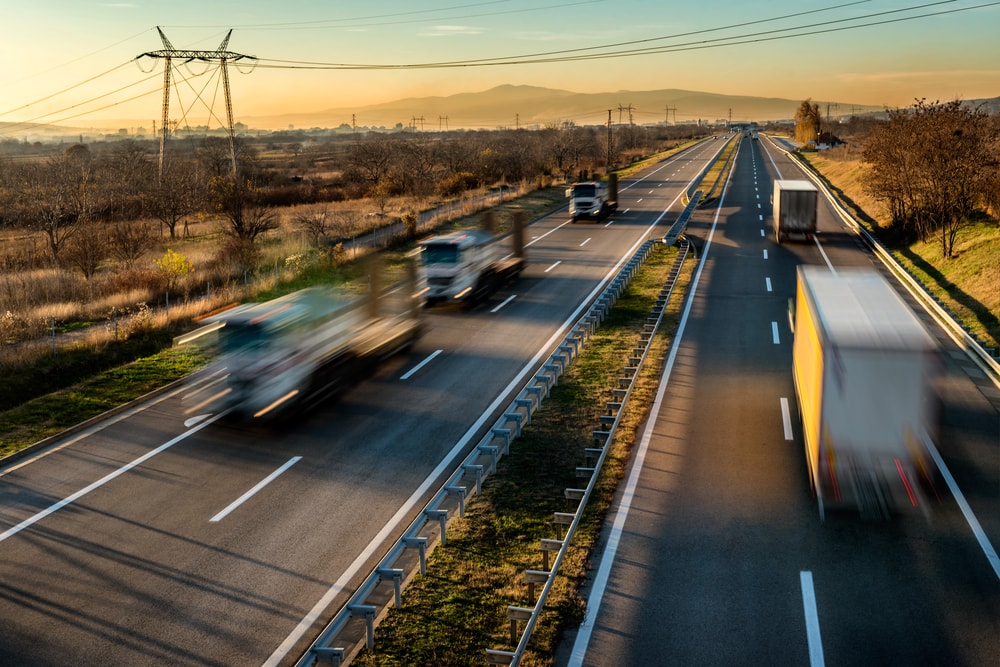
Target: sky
{"points": [[77, 62]]}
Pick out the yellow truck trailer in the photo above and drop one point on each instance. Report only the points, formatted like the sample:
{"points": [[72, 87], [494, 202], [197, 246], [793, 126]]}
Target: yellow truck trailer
{"points": [[864, 369]]}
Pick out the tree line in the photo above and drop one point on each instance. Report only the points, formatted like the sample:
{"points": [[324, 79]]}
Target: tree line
{"points": [[98, 203], [935, 166]]}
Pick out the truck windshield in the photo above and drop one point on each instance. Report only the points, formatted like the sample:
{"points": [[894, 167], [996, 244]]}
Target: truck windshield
{"points": [[440, 254], [583, 190]]}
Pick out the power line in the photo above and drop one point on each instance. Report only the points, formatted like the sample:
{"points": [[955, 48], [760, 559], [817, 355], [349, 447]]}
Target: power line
{"points": [[572, 55]]}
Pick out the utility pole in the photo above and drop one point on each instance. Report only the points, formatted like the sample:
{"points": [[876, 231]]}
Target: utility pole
{"points": [[445, 119], [666, 119], [609, 140], [224, 57]]}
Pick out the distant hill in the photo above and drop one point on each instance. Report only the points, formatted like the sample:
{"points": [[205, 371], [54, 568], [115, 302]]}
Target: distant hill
{"points": [[532, 106]]}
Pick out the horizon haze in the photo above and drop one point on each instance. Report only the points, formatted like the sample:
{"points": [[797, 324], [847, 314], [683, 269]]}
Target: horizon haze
{"points": [[82, 62]]}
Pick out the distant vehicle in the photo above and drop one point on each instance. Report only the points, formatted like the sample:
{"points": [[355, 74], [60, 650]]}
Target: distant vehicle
{"points": [[794, 205], [295, 349], [863, 368], [593, 200], [466, 267]]}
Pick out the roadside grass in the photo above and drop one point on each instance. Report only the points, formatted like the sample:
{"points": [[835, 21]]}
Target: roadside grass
{"points": [[457, 610], [51, 414], [715, 177], [966, 284]]}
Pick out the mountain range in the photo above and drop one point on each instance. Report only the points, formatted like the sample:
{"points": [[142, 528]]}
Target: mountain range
{"points": [[510, 106], [533, 106]]}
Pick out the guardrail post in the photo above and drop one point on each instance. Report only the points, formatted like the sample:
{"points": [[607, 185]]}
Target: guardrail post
{"points": [[547, 546], [459, 491], [532, 577], [331, 655], [420, 544], [442, 518], [477, 470], [515, 614], [498, 657], [367, 612], [396, 575]]}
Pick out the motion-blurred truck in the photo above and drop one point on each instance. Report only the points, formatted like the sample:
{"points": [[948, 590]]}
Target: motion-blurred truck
{"points": [[593, 200], [467, 266], [794, 205], [297, 349], [864, 367]]}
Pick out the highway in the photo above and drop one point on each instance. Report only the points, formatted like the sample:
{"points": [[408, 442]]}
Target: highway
{"points": [[715, 553], [144, 541]]}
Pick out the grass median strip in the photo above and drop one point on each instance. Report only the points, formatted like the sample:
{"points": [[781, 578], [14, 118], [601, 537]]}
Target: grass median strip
{"points": [[458, 609]]}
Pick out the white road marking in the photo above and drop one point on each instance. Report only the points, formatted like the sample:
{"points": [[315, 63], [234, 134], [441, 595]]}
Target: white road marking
{"points": [[762, 232], [786, 418], [774, 333], [553, 266], [825, 258], [765, 249], [408, 374], [970, 518], [812, 619], [586, 242], [767, 282], [504, 303], [51, 509], [252, 492]]}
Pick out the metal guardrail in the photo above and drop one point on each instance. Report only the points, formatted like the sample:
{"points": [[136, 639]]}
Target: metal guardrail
{"points": [[959, 333], [354, 624]]}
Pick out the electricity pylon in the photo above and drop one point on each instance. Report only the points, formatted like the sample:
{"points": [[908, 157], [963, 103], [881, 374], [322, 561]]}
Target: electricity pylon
{"points": [[220, 55]]}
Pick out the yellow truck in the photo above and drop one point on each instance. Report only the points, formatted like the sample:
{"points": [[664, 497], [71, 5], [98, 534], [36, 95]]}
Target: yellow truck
{"points": [[864, 368]]}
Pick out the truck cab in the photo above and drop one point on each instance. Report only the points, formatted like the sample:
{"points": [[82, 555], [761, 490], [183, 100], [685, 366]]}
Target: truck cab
{"points": [[588, 199], [451, 264]]}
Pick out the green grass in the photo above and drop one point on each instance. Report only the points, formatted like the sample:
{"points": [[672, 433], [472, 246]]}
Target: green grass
{"points": [[48, 415], [458, 610]]}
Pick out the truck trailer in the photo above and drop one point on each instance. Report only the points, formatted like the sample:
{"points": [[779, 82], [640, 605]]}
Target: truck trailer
{"points": [[794, 205], [864, 368], [467, 266]]}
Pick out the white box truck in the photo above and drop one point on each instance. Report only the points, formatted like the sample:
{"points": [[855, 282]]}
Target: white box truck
{"points": [[794, 205], [864, 367]]}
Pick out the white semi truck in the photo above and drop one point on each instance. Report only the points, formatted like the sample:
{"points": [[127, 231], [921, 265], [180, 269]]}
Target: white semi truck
{"points": [[794, 203], [593, 200], [864, 368], [294, 350], [467, 266]]}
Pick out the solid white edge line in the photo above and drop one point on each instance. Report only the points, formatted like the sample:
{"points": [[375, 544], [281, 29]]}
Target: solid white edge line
{"points": [[408, 374], [812, 619], [786, 418], [823, 252], [593, 603], [252, 492], [970, 517], [51, 509], [774, 333]]}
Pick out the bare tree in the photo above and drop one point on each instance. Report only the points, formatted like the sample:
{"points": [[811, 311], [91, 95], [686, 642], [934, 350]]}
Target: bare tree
{"points": [[128, 241], [87, 250], [932, 164]]}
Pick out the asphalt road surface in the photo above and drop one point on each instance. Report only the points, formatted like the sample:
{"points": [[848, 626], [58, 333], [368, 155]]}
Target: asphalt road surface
{"points": [[716, 554], [141, 541]]}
